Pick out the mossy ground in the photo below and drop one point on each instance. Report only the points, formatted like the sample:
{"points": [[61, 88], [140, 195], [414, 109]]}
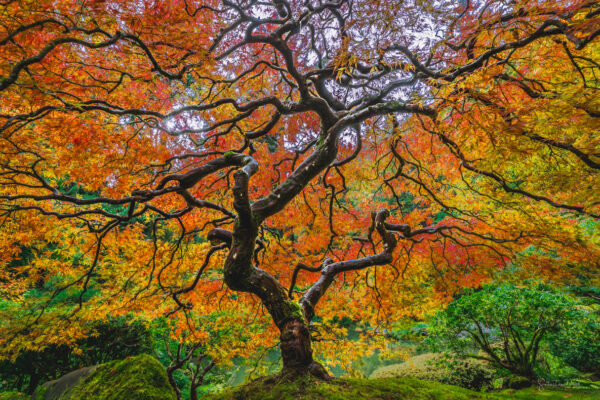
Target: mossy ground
{"points": [[405, 388], [471, 374], [551, 394], [14, 396]]}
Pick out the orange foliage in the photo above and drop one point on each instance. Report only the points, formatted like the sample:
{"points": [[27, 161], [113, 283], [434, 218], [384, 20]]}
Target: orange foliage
{"points": [[478, 131]]}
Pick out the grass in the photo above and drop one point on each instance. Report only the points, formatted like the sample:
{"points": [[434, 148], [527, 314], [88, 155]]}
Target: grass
{"points": [[437, 367], [14, 396], [551, 394], [403, 388]]}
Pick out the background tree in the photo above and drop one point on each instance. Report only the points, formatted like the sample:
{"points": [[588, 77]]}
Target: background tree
{"points": [[191, 360], [189, 369], [268, 146], [505, 325]]}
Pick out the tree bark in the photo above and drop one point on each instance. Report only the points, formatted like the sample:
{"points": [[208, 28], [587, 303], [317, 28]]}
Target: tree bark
{"points": [[241, 275], [172, 382], [296, 351]]}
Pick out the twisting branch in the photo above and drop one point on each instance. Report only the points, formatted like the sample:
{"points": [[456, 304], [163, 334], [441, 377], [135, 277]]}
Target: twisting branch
{"points": [[257, 40], [301, 266], [502, 182], [330, 271]]}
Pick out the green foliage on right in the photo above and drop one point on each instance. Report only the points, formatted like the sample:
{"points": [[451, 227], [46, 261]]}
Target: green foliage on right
{"points": [[505, 325], [578, 344]]}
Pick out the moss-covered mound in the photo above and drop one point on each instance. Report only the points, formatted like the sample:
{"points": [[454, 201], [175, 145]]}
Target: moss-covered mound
{"points": [[135, 378], [470, 374], [345, 389], [405, 388]]}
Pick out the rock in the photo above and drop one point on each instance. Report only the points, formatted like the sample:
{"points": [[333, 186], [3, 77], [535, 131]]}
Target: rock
{"points": [[58, 388], [516, 382]]}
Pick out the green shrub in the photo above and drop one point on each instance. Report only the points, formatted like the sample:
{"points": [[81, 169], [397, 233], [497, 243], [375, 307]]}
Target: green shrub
{"points": [[554, 370], [504, 324], [578, 344], [472, 374]]}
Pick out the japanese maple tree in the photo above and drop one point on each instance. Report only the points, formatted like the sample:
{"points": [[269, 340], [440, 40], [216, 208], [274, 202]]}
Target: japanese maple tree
{"points": [[192, 157]]}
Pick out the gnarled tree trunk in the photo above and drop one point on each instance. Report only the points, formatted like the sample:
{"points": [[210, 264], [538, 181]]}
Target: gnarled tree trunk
{"points": [[296, 351], [241, 275], [291, 318]]}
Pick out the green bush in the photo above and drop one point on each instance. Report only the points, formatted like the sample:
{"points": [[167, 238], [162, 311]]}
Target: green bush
{"points": [[504, 324], [578, 344], [555, 371], [471, 374]]}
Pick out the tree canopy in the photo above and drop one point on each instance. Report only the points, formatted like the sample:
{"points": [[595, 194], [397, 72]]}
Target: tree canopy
{"points": [[262, 169]]}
